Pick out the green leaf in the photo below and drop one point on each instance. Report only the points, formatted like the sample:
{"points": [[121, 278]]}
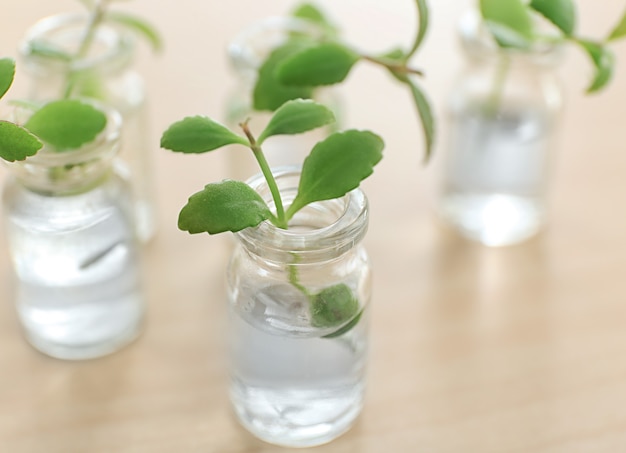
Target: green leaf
{"points": [[603, 60], [198, 134], [509, 21], [297, 116], [67, 124], [226, 206], [427, 119], [312, 13], [323, 64], [422, 21], [333, 306], [46, 50], [7, 72], [16, 143], [339, 332], [139, 26], [337, 165], [561, 13], [269, 93], [620, 29]]}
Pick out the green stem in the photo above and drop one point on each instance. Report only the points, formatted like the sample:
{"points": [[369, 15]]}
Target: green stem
{"points": [[281, 220], [502, 70], [294, 278], [94, 21], [392, 65]]}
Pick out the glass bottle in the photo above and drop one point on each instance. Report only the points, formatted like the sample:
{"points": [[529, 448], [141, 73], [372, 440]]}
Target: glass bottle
{"points": [[296, 379], [502, 120], [72, 243], [246, 53], [105, 74]]}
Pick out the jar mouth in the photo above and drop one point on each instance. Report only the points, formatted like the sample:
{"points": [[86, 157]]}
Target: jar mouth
{"points": [[111, 48], [321, 230], [51, 170], [478, 41]]}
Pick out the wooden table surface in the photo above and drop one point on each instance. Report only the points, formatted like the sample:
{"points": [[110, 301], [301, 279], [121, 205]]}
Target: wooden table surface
{"points": [[511, 350]]}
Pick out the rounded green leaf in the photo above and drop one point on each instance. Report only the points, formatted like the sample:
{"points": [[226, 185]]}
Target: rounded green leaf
{"points": [[336, 166], [297, 116], [198, 134], [16, 143], [333, 306], [323, 64], [67, 124], [226, 206], [7, 72], [509, 21], [561, 13], [269, 93], [312, 13]]}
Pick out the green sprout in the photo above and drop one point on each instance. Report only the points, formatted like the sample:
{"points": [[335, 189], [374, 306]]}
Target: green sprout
{"points": [[334, 167]]}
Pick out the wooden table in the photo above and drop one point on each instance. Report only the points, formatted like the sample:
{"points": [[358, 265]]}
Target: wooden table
{"points": [[519, 349]]}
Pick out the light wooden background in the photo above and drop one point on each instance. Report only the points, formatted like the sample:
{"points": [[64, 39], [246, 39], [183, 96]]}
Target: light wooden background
{"points": [[513, 350]]}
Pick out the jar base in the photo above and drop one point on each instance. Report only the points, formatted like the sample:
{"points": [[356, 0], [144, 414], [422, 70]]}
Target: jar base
{"points": [[493, 219]]}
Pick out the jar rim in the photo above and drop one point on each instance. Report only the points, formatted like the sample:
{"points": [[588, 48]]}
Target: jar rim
{"points": [[313, 244], [116, 46]]}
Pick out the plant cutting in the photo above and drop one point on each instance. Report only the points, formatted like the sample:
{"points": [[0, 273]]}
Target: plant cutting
{"points": [[68, 231], [299, 280], [504, 113], [305, 63], [90, 55]]}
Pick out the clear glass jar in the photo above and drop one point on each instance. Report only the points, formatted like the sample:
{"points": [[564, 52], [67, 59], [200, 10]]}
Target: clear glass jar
{"points": [[246, 53], [105, 74], [502, 123], [298, 378], [72, 242]]}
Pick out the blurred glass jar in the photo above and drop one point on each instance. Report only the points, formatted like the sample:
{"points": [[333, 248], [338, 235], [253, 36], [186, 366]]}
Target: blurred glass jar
{"points": [[106, 74], [70, 236], [298, 302], [247, 53], [502, 126]]}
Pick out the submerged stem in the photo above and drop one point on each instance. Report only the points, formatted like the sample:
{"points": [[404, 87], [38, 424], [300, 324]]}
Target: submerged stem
{"points": [[502, 70]]}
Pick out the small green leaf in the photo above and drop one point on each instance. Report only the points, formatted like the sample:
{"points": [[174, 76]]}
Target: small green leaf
{"points": [[312, 13], [46, 50], [603, 60], [297, 116], [7, 72], [226, 206], [333, 306], [16, 143], [561, 13], [139, 26], [422, 21], [509, 21], [323, 64], [427, 119], [67, 124], [269, 93], [198, 134], [337, 165], [620, 29]]}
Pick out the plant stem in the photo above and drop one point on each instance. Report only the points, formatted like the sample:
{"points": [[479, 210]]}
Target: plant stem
{"points": [[422, 21], [281, 220], [94, 21], [393, 66], [502, 70]]}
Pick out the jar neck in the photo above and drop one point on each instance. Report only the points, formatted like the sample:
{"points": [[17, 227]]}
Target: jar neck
{"points": [[68, 172], [321, 231], [111, 51]]}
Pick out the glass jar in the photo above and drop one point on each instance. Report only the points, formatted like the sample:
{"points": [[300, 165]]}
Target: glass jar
{"points": [[247, 52], [298, 358], [71, 239], [502, 121], [105, 74]]}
